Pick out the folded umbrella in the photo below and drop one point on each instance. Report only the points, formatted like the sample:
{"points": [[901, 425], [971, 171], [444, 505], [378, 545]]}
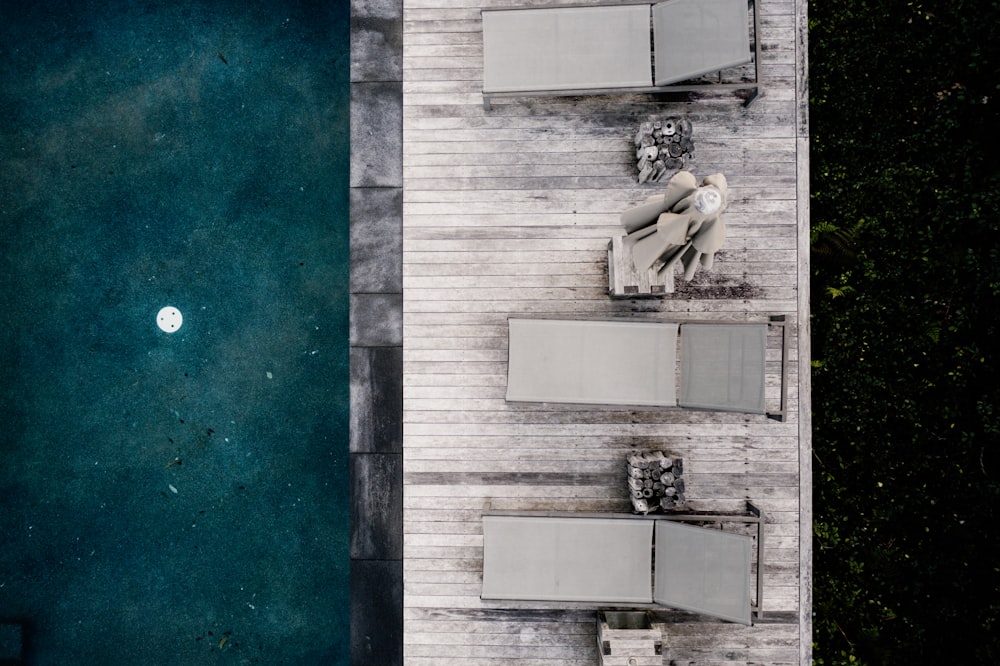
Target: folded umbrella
{"points": [[690, 230]]}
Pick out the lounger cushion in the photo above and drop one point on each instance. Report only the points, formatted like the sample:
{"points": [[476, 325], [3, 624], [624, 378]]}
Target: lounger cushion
{"points": [[567, 559], [592, 362], [703, 570], [695, 37], [722, 367], [566, 48]]}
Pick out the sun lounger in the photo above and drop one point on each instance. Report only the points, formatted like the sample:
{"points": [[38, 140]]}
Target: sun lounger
{"points": [[608, 559], [605, 48], [715, 366]]}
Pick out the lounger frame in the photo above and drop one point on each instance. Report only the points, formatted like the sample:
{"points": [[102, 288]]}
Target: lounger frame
{"points": [[752, 88], [773, 321], [752, 516]]}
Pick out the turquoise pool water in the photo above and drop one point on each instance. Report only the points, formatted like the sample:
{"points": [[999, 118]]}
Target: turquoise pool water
{"points": [[181, 497]]}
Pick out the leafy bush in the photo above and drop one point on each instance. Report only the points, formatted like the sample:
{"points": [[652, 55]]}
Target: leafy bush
{"points": [[905, 297]]}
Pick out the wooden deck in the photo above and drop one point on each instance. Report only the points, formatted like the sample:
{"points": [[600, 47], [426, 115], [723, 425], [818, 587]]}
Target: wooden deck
{"points": [[509, 212]]}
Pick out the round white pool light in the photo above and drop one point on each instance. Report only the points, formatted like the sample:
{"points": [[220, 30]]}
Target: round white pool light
{"points": [[169, 319]]}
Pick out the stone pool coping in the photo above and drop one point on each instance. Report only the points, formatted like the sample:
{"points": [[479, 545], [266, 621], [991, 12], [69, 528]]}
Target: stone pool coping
{"points": [[376, 332]]}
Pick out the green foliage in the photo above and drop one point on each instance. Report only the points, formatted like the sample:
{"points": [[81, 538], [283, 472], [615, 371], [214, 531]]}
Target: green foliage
{"points": [[906, 316]]}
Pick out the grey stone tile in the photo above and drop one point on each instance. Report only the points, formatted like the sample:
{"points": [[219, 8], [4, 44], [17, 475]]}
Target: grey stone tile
{"points": [[376, 613], [376, 239], [376, 179], [377, 506], [389, 9], [377, 134], [376, 320], [376, 399], [376, 49]]}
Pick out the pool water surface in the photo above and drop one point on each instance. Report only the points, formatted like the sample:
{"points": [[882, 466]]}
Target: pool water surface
{"points": [[174, 483]]}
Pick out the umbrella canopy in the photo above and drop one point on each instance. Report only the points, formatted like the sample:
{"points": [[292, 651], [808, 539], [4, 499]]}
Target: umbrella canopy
{"points": [[689, 227]]}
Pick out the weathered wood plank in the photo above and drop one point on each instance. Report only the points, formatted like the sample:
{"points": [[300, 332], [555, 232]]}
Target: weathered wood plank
{"points": [[508, 212]]}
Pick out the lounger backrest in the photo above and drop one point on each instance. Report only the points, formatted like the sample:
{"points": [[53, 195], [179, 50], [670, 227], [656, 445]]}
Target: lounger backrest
{"points": [[695, 37], [703, 570], [722, 367]]}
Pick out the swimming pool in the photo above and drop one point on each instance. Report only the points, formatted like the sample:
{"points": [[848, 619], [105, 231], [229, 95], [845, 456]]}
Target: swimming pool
{"points": [[175, 497]]}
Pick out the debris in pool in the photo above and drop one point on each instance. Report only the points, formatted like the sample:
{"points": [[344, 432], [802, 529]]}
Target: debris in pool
{"points": [[269, 375], [175, 461], [172, 489]]}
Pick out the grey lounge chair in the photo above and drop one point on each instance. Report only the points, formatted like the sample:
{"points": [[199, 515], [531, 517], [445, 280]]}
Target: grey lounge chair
{"points": [[721, 366], [608, 559], [605, 48]]}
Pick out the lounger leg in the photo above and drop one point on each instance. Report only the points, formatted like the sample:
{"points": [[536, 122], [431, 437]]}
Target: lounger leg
{"points": [[779, 320]]}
